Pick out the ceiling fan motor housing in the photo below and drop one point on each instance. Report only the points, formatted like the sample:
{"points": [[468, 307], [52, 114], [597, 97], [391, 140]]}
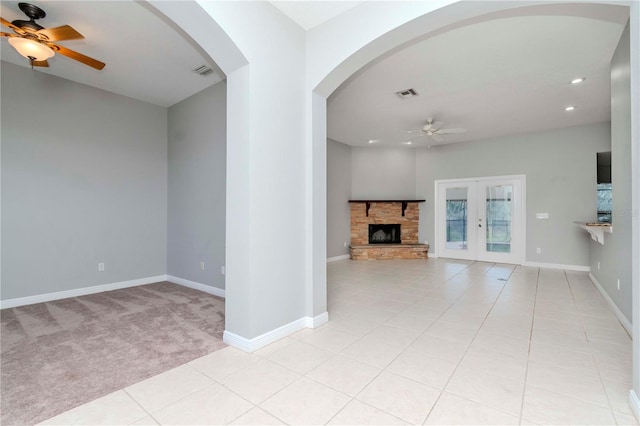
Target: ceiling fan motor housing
{"points": [[27, 25], [33, 12]]}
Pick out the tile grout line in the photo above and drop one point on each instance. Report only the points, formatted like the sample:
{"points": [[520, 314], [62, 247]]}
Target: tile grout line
{"points": [[139, 405], [526, 371], [384, 369], [467, 350], [596, 363]]}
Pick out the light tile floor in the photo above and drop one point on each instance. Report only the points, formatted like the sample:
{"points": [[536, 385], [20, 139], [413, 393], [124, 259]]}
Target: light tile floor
{"points": [[410, 342]]}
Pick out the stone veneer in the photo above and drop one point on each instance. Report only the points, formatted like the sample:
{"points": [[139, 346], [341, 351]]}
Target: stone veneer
{"points": [[386, 213]]}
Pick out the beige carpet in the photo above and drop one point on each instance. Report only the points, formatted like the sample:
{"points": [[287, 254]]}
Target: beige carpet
{"points": [[61, 354]]}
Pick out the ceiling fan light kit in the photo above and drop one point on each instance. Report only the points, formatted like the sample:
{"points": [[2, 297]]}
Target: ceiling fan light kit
{"points": [[35, 42], [31, 49]]}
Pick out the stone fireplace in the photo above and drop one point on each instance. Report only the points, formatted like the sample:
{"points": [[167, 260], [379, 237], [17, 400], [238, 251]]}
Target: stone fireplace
{"points": [[385, 229]]}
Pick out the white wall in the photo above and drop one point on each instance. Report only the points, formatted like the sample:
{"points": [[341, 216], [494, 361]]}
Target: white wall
{"points": [[614, 256], [338, 195], [197, 187], [266, 171], [84, 180]]}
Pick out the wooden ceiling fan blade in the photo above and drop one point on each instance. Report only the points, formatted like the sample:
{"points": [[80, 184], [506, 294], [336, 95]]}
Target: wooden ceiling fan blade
{"points": [[10, 25], [40, 64], [64, 32], [2, 34], [94, 63]]}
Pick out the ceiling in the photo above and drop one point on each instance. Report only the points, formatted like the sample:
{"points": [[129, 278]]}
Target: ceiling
{"points": [[146, 59], [499, 77], [308, 14], [495, 78]]}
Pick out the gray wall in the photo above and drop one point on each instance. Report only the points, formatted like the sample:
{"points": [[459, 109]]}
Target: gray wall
{"points": [[338, 194], [615, 255], [383, 173], [84, 180], [197, 187], [560, 169]]}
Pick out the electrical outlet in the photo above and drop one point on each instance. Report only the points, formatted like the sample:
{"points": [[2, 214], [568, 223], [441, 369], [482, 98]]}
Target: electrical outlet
{"points": [[100, 267], [222, 270], [202, 266], [538, 250], [618, 284]]}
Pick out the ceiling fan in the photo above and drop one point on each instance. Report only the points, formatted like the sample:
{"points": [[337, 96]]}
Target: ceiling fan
{"points": [[35, 42], [434, 130]]}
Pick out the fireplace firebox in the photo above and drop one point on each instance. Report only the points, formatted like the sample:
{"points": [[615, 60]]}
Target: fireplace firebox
{"points": [[384, 234]]}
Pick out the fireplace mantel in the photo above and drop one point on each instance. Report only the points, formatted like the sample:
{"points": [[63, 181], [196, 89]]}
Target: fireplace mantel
{"points": [[404, 203]]}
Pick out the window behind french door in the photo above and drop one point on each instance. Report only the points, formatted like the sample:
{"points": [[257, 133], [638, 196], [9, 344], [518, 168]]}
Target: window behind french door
{"points": [[481, 219]]}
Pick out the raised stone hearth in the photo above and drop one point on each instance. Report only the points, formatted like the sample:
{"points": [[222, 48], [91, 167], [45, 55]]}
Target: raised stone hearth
{"points": [[404, 213], [389, 251]]}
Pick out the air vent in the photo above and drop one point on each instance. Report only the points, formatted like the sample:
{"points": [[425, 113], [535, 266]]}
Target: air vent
{"points": [[409, 93], [203, 70]]}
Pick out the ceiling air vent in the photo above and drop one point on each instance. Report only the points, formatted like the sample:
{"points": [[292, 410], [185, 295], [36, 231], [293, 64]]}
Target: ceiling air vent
{"points": [[203, 70], [409, 93]]}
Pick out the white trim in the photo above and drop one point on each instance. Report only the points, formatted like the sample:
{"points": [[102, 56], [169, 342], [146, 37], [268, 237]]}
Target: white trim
{"points": [[197, 286], [47, 297], [623, 320], [634, 402], [336, 258], [251, 345], [317, 321], [579, 268]]}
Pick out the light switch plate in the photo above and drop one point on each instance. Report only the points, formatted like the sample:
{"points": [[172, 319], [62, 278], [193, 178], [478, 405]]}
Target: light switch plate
{"points": [[542, 215]]}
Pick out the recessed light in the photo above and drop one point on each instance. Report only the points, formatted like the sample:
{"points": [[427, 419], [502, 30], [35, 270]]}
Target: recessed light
{"points": [[407, 143], [570, 108], [374, 140], [578, 80]]}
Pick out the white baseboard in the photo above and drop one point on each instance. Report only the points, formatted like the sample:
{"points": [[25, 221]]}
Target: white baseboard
{"points": [[579, 268], [251, 345], [623, 320], [634, 402], [336, 258], [47, 297], [317, 321], [197, 286]]}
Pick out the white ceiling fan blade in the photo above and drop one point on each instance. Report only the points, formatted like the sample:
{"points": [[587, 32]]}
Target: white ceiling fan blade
{"points": [[418, 136], [412, 131], [436, 126], [450, 131]]}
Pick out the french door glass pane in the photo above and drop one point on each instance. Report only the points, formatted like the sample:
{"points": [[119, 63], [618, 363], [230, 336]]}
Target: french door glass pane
{"points": [[457, 218], [498, 219]]}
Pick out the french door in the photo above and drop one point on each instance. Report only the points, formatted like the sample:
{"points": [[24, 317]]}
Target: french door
{"points": [[481, 219]]}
